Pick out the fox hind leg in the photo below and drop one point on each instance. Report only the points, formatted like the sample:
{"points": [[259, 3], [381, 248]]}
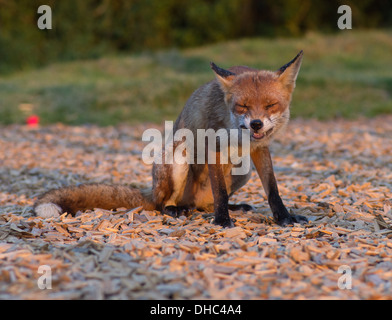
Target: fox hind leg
{"points": [[170, 182]]}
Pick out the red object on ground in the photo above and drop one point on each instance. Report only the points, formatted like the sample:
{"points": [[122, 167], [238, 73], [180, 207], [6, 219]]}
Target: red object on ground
{"points": [[32, 121]]}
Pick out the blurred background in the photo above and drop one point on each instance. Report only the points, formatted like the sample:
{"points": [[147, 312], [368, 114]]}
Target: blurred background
{"points": [[123, 61]]}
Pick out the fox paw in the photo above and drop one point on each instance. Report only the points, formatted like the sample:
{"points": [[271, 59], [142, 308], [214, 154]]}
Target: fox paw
{"points": [[176, 212], [291, 219], [241, 206], [225, 222]]}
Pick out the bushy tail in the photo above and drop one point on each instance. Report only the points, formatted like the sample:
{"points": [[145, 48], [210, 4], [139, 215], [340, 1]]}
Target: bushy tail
{"points": [[90, 196]]}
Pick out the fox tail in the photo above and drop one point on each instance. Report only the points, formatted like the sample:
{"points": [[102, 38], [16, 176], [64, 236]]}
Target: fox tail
{"points": [[90, 196]]}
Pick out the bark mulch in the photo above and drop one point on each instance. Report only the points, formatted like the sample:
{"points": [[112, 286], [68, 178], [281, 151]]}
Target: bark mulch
{"points": [[337, 173]]}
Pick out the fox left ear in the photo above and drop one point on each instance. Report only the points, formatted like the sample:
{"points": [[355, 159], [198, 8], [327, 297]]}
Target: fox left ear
{"points": [[288, 73], [224, 77]]}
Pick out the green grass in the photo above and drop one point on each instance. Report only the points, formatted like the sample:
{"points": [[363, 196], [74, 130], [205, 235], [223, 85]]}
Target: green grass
{"points": [[343, 75]]}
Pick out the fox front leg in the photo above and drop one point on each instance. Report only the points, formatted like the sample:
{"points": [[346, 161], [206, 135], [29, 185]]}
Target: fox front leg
{"points": [[219, 191], [262, 160]]}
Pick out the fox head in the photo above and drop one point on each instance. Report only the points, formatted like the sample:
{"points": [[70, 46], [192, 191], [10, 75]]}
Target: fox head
{"points": [[259, 100]]}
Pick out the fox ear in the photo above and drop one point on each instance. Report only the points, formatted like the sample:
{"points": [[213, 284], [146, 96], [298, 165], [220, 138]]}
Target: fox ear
{"points": [[288, 73], [225, 77]]}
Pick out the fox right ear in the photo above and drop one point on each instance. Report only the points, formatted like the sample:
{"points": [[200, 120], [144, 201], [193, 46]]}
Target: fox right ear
{"points": [[224, 77]]}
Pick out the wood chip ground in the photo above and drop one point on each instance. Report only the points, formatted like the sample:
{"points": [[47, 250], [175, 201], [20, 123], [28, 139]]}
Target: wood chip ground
{"points": [[337, 173]]}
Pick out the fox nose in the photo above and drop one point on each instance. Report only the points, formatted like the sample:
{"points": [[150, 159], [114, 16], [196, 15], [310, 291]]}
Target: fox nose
{"points": [[256, 124]]}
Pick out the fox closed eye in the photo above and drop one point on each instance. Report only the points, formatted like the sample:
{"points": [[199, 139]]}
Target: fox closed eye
{"points": [[271, 105], [241, 108]]}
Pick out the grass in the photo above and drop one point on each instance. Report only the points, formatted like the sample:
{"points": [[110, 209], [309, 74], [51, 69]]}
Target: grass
{"points": [[344, 75]]}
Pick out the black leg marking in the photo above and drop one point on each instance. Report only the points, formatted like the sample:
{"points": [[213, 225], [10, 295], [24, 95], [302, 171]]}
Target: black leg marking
{"points": [[263, 163]]}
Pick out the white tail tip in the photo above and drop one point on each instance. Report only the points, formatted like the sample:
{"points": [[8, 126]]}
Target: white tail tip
{"points": [[48, 210]]}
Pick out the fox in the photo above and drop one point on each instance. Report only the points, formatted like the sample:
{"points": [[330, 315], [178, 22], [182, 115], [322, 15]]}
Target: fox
{"points": [[240, 97]]}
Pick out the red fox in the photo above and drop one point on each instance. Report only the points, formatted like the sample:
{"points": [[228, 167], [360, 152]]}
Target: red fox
{"points": [[239, 98]]}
